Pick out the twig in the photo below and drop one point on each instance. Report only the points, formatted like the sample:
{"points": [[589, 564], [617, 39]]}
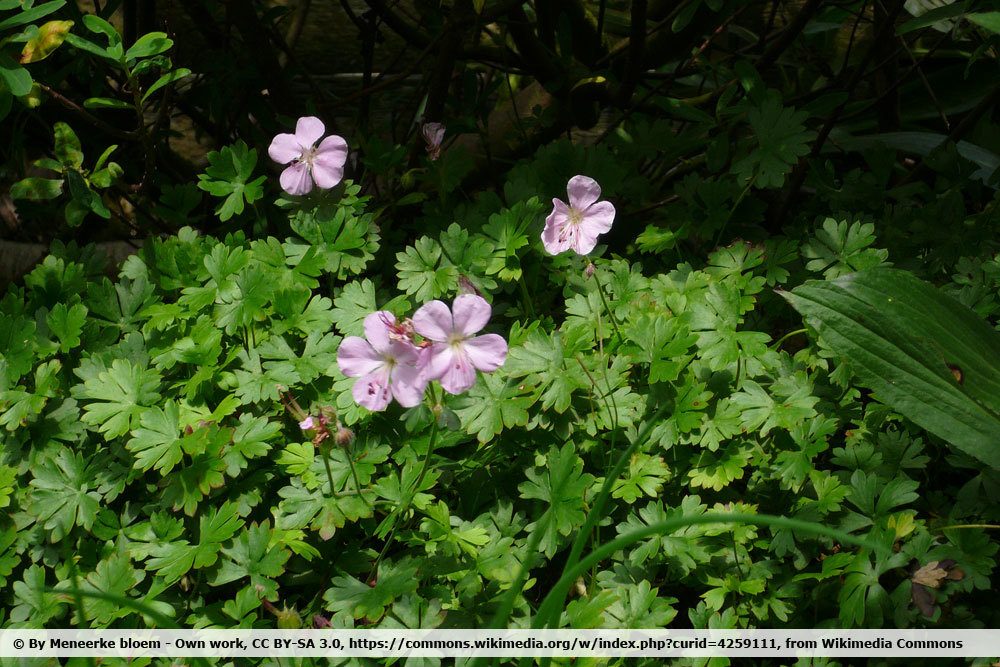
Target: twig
{"points": [[124, 135]]}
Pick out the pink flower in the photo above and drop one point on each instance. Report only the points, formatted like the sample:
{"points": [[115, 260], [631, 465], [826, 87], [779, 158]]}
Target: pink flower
{"points": [[433, 135], [322, 164], [307, 424], [576, 225], [385, 364], [456, 355]]}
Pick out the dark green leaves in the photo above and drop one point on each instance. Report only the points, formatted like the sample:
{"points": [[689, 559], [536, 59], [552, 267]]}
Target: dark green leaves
{"points": [[65, 493], [559, 481], [924, 354], [781, 139], [117, 397], [229, 176]]}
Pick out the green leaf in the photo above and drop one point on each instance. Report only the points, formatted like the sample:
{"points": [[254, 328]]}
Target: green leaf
{"points": [[93, 49], [98, 25], [839, 249], [352, 305], [113, 577], [36, 188], [492, 405], [923, 353], [560, 482], [17, 78], [423, 272], [761, 412], [781, 139], [252, 555], [105, 103], [166, 80], [644, 476], [929, 18], [544, 362], [157, 443], [175, 559], [228, 176], [361, 600], [988, 20], [118, 396], [150, 44], [63, 493], [720, 469], [67, 324], [68, 150], [31, 15], [35, 604]]}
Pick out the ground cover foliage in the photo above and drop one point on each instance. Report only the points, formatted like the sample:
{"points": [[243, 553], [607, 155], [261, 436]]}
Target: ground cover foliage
{"points": [[794, 314]]}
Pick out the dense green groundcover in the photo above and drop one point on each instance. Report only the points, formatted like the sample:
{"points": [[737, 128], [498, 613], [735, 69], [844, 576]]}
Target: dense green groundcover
{"points": [[151, 449], [711, 357]]}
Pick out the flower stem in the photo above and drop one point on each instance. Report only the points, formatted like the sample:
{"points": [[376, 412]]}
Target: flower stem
{"points": [[354, 474], [788, 335], [408, 498], [604, 301], [325, 453], [527, 297]]}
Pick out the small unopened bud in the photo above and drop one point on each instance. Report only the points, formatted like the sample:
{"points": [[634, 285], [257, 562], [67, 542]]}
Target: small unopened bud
{"points": [[465, 286], [344, 437], [320, 622], [589, 270], [289, 619], [433, 135]]}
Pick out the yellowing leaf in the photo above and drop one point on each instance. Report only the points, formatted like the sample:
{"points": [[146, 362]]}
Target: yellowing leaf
{"points": [[49, 37]]}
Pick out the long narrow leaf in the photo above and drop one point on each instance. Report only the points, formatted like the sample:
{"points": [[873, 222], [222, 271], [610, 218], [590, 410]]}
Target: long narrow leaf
{"points": [[922, 352]]}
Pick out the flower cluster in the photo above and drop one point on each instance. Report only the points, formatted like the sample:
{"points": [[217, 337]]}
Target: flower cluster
{"points": [[390, 363]]}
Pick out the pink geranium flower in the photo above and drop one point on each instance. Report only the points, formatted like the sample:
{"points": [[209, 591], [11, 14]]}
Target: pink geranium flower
{"points": [[576, 225], [384, 363], [433, 135], [307, 424], [309, 164], [456, 353]]}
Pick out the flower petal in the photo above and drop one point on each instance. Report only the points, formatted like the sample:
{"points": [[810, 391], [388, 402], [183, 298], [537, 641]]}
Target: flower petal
{"points": [[487, 353], [329, 160], [308, 130], [433, 321], [372, 391], [377, 329], [583, 243], [404, 352], [356, 357], [408, 385], [307, 424], [554, 225], [470, 313], [459, 375], [583, 191], [295, 179], [284, 148], [437, 360], [598, 218]]}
